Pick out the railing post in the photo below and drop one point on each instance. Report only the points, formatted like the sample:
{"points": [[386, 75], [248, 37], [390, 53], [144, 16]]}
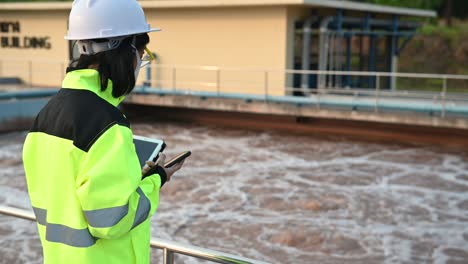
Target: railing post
{"points": [[62, 69], [168, 256], [174, 78], [444, 92], [355, 95], [319, 90], [30, 72], [147, 82], [266, 85], [377, 95], [169, 247], [218, 81]]}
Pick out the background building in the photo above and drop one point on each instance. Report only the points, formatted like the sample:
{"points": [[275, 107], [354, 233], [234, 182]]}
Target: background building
{"points": [[242, 37]]}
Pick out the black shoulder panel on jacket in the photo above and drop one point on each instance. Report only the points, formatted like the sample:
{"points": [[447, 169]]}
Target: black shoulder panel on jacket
{"points": [[78, 115]]}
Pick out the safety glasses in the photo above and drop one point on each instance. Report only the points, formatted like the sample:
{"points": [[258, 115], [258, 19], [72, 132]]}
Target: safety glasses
{"points": [[147, 58]]}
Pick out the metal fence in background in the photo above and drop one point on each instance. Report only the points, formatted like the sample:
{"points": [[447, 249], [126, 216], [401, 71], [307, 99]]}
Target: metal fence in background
{"points": [[271, 84], [430, 91]]}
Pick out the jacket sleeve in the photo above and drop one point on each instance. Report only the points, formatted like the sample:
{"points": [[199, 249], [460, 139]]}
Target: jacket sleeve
{"points": [[112, 194]]}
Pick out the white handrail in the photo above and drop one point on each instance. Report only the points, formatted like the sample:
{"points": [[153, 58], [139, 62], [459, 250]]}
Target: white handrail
{"points": [[382, 74], [352, 73], [168, 247], [294, 71], [268, 81]]}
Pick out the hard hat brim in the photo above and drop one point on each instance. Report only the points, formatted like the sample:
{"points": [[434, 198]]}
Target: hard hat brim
{"points": [[112, 36]]}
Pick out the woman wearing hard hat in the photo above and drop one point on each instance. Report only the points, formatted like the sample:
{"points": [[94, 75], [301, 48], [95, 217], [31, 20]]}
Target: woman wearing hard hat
{"points": [[83, 175]]}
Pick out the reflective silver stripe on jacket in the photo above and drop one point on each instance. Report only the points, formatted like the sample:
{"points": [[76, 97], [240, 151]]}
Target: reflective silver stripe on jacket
{"points": [[143, 209], [69, 236], [109, 217], [41, 215], [100, 218], [106, 217], [64, 234]]}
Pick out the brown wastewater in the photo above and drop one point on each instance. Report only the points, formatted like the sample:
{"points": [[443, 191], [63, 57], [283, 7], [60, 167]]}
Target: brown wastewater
{"points": [[285, 198]]}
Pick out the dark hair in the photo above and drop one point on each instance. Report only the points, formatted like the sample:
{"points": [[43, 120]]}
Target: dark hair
{"points": [[116, 64]]}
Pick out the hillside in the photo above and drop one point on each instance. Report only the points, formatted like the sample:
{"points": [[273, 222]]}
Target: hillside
{"points": [[438, 49]]}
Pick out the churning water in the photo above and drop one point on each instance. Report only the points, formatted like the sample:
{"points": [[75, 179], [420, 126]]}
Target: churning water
{"points": [[287, 199]]}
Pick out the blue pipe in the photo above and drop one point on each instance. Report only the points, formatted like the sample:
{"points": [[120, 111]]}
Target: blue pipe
{"points": [[344, 103], [372, 59], [393, 40], [348, 60], [365, 27], [306, 40], [339, 28], [43, 92], [395, 23], [23, 104], [409, 36], [379, 34]]}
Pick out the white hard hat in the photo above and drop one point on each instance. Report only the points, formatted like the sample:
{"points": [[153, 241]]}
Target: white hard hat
{"points": [[111, 19]]}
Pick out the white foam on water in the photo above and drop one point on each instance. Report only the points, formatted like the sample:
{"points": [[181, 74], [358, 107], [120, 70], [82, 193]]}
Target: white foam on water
{"points": [[284, 199]]}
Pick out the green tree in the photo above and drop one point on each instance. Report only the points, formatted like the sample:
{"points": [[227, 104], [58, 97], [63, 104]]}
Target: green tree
{"points": [[423, 4], [456, 8], [445, 8]]}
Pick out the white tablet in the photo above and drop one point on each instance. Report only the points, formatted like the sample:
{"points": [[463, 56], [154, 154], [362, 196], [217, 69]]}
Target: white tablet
{"points": [[147, 148]]}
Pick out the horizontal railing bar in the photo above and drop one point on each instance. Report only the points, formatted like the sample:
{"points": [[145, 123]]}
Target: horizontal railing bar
{"points": [[343, 90], [401, 93], [325, 100], [381, 74], [20, 213], [189, 250], [206, 67], [271, 70], [203, 253], [294, 71], [404, 94]]}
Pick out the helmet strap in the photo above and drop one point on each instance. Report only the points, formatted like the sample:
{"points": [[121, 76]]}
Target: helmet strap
{"points": [[90, 47]]}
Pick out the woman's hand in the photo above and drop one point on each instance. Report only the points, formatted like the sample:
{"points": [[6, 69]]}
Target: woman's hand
{"points": [[161, 160]]}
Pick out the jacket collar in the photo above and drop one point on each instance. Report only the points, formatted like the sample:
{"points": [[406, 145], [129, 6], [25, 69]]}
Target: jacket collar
{"points": [[88, 79]]}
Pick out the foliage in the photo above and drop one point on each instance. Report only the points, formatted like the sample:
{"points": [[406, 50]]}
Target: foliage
{"points": [[423, 4], [459, 8], [449, 33], [458, 29], [438, 49]]}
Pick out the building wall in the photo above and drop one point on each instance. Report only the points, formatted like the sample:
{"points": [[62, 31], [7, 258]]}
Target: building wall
{"points": [[35, 50], [242, 41]]}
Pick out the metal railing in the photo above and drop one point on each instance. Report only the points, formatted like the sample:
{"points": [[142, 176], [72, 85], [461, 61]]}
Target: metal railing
{"points": [[174, 81], [270, 83], [169, 247]]}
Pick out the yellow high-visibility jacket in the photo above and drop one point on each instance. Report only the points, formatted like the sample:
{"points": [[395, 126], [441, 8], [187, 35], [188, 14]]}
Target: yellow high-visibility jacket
{"points": [[84, 178]]}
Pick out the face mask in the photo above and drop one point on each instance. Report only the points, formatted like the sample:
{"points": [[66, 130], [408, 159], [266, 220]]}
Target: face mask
{"points": [[138, 63]]}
